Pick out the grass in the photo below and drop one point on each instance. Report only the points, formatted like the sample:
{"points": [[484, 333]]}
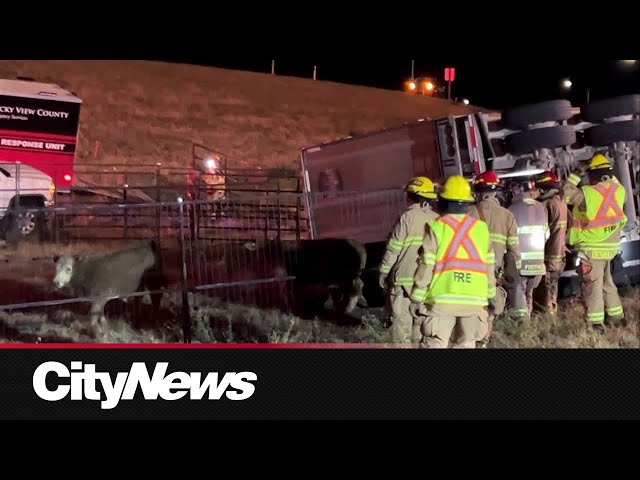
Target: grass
{"points": [[569, 330], [217, 322], [146, 112], [141, 113]]}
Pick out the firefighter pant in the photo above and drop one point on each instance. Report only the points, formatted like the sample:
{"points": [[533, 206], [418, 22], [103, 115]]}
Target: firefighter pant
{"points": [[599, 292], [520, 294], [402, 327], [459, 325], [551, 279], [499, 303]]}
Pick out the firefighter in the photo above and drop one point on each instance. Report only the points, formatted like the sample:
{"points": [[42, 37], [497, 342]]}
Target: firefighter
{"points": [[503, 229], [594, 234], [400, 259], [455, 281], [533, 232], [555, 249]]}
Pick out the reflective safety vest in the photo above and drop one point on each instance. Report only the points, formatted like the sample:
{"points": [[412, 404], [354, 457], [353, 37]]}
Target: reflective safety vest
{"points": [[596, 229], [533, 232], [461, 262]]}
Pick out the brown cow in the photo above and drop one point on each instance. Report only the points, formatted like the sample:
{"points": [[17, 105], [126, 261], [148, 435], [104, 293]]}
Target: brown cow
{"points": [[244, 273], [322, 268], [333, 263], [103, 277]]}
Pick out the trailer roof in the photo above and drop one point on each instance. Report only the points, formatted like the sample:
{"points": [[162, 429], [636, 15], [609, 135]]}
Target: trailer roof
{"points": [[29, 89]]}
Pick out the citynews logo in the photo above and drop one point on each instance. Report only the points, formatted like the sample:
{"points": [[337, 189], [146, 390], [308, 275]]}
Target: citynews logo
{"points": [[174, 386]]}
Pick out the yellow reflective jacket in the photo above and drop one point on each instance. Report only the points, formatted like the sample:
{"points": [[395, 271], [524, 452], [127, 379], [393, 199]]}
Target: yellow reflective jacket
{"points": [[400, 258], [457, 263], [597, 217]]}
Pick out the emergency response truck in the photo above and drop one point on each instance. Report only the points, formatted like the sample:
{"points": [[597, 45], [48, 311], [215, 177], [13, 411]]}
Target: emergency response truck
{"points": [[370, 170], [39, 127]]}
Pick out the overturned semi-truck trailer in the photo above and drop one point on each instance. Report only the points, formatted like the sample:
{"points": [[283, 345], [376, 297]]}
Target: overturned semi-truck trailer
{"points": [[354, 185]]}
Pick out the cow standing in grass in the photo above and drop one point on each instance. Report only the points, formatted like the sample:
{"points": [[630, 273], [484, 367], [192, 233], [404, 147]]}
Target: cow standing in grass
{"points": [[120, 273], [336, 264], [323, 269]]}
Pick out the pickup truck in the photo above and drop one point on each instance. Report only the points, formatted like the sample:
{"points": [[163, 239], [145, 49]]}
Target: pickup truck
{"points": [[25, 194]]}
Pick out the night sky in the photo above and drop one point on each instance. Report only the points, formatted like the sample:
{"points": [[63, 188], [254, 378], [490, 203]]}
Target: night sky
{"points": [[488, 83]]}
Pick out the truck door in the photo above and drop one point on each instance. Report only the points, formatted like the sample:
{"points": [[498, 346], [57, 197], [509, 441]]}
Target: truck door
{"points": [[462, 143]]}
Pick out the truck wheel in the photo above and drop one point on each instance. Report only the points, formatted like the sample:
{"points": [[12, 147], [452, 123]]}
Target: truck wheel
{"points": [[25, 226], [520, 118], [529, 141], [600, 110], [603, 135]]}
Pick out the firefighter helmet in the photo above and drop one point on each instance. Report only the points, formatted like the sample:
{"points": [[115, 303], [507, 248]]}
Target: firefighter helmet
{"points": [[525, 184], [421, 186], [547, 179], [488, 180], [457, 189], [599, 162]]}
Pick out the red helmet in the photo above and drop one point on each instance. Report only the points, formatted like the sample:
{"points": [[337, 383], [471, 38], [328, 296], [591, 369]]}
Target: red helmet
{"points": [[547, 179], [486, 181]]}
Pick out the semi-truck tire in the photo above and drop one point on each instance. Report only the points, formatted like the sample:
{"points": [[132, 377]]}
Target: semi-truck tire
{"points": [[609, 133], [529, 141], [599, 111], [520, 118]]}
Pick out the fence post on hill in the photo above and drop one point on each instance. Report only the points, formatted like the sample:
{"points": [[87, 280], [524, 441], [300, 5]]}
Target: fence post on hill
{"points": [[186, 314], [278, 207], [125, 190], [298, 208]]}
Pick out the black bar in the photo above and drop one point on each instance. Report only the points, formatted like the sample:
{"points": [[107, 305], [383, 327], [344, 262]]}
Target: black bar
{"points": [[340, 384]]}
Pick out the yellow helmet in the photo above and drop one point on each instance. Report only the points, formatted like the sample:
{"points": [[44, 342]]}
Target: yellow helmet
{"points": [[457, 188], [599, 161], [421, 186]]}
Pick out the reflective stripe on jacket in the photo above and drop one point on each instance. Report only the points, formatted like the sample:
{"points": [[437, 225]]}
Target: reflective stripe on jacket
{"points": [[555, 248], [597, 217], [400, 258], [503, 229], [533, 232], [457, 263]]}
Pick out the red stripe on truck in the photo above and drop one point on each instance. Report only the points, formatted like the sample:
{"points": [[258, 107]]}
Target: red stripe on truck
{"points": [[34, 135]]}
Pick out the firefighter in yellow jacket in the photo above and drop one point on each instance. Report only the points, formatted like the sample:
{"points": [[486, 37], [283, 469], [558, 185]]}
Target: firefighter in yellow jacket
{"points": [[400, 259], [555, 248], [503, 229], [455, 281], [594, 235]]}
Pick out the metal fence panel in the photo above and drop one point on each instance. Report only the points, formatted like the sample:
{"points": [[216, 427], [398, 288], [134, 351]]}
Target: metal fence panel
{"points": [[226, 249]]}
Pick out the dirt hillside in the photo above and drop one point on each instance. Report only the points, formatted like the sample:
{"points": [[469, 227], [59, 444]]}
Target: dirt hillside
{"points": [[146, 112]]}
